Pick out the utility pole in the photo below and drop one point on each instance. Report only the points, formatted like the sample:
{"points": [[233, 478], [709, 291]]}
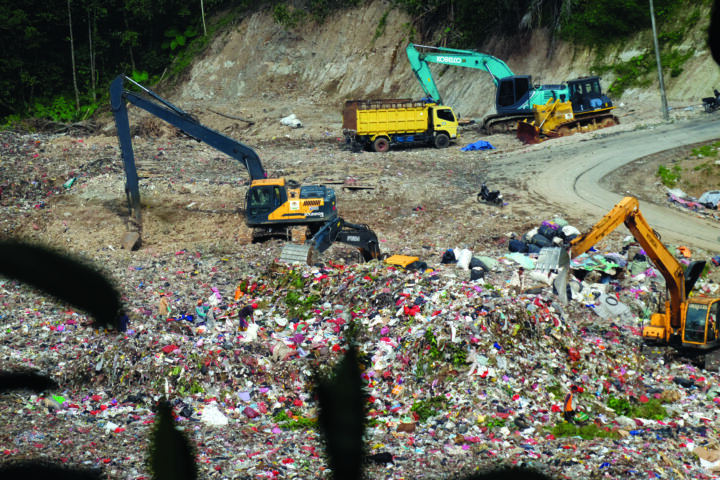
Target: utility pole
{"points": [[659, 66]]}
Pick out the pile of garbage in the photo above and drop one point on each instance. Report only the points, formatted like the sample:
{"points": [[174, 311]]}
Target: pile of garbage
{"points": [[467, 365]]}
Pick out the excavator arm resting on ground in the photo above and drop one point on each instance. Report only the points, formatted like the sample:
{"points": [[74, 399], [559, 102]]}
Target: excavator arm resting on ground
{"points": [[690, 322]]}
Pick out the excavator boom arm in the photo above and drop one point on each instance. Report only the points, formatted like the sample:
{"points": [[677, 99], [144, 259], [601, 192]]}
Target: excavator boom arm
{"points": [[173, 115], [627, 211], [669, 267], [613, 219], [449, 56]]}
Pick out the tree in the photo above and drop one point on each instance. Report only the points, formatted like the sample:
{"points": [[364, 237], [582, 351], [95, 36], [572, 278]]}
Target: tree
{"points": [[72, 57]]}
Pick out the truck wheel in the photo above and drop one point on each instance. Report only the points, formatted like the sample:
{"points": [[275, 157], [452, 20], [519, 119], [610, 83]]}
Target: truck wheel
{"points": [[442, 141], [381, 145]]}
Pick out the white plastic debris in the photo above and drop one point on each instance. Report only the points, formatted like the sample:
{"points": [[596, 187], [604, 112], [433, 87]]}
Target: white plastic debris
{"points": [[212, 415], [291, 121]]}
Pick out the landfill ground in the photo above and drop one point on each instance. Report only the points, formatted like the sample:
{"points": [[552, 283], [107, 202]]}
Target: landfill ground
{"points": [[463, 375]]}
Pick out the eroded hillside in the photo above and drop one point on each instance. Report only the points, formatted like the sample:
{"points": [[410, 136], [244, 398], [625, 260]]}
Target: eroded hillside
{"points": [[257, 70]]}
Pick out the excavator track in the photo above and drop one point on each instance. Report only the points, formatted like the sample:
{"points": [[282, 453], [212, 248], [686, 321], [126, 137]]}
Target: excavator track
{"points": [[499, 124], [260, 235]]}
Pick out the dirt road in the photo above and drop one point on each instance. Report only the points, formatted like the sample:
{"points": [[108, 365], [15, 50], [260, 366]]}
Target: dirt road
{"points": [[585, 179]]}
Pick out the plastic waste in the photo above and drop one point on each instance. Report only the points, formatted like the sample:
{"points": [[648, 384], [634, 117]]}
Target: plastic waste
{"points": [[291, 121]]}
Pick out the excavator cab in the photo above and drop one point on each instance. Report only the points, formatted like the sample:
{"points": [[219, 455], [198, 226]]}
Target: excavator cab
{"points": [[513, 93], [277, 203], [261, 201], [701, 323]]}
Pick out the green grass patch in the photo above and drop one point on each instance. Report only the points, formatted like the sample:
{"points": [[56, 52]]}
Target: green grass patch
{"points": [[705, 151], [428, 408], [669, 176], [587, 432], [651, 410]]}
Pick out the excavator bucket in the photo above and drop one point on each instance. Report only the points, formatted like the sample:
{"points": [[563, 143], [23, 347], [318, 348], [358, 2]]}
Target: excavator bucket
{"points": [[528, 133], [293, 253], [555, 258], [401, 260], [130, 240]]}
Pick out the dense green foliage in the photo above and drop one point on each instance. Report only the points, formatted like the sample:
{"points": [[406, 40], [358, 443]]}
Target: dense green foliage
{"points": [[58, 56], [109, 37], [467, 23]]}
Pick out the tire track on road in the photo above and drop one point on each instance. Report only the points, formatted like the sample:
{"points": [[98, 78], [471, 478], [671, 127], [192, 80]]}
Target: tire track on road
{"points": [[571, 173]]}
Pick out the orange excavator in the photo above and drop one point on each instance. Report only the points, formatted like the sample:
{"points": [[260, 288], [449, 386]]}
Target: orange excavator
{"points": [[688, 322]]}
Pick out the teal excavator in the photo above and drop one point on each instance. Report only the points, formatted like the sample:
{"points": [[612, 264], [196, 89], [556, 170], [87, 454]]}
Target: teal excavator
{"points": [[515, 95]]}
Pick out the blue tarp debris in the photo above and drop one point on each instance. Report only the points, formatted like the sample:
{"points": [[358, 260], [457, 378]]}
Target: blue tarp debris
{"points": [[479, 145]]}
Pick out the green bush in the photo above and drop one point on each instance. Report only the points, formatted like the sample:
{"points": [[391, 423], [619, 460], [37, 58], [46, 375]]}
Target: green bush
{"points": [[286, 422], [288, 18], [620, 405]]}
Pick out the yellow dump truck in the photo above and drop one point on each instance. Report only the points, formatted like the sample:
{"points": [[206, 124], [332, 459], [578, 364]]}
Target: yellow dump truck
{"points": [[379, 124]]}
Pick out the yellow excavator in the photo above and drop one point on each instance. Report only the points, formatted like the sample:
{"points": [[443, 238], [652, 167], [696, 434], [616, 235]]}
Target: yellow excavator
{"points": [[273, 206], [689, 323]]}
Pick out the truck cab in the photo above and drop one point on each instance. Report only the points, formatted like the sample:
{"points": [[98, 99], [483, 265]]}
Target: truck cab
{"points": [[443, 122]]}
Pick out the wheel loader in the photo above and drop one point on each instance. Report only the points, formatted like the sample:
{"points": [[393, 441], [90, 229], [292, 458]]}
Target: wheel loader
{"points": [[688, 323], [585, 111]]}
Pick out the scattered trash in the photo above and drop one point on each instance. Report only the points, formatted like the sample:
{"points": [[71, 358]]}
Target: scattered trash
{"points": [[291, 121], [461, 368]]}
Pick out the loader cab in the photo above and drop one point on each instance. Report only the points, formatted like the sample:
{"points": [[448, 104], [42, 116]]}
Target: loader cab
{"points": [[586, 95], [701, 323]]}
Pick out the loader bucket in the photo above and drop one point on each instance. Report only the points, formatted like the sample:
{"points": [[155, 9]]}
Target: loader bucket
{"points": [[292, 253], [555, 258], [528, 133]]}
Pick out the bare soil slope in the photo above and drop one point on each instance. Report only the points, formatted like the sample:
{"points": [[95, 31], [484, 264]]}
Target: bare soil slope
{"points": [[259, 71]]}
